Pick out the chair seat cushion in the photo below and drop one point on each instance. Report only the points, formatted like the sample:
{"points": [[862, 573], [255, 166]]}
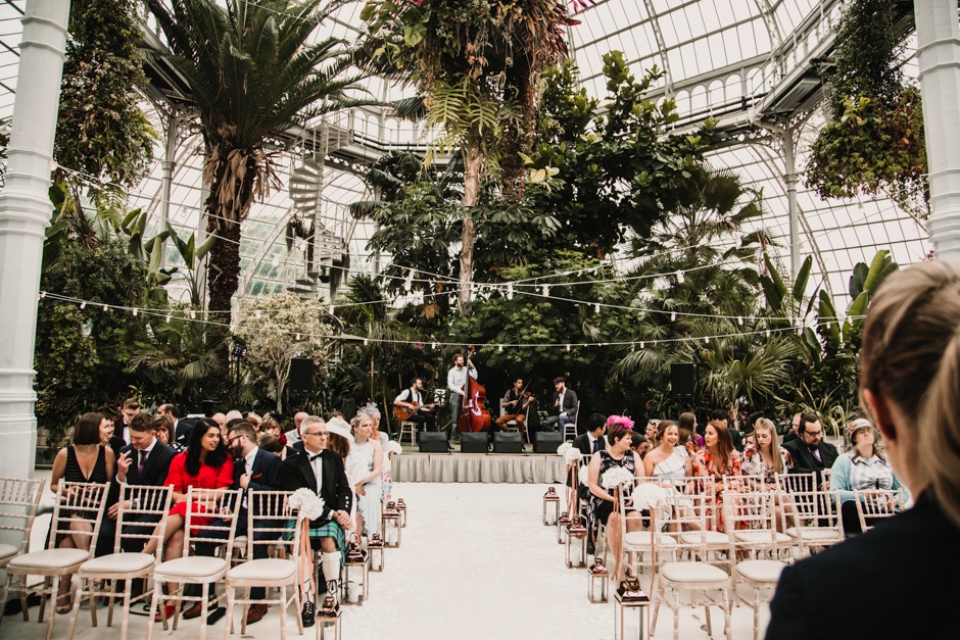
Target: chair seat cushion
{"points": [[693, 572], [704, 537], [191, 567], [118, 563], [760, 570], [759, 537], [813, 533], [7, 550], [49, 559], [266, 569], [642, 539]]}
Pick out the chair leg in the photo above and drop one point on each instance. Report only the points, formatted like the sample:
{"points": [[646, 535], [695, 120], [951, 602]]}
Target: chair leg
{"points": [[656, 611], [297, 604], [246, 610], [75, 612], [125, 615], [283, 612], [203, 611], [756, 613], [231, 594], [727, 631], [110, 601], [55, 590], [157, 590], [93, 607], [706, 612], [676, 615], [44, 595]]}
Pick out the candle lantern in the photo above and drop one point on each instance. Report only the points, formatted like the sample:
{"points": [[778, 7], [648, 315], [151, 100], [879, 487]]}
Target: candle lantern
{"points": [[599, 576], [328, 620], [402, 508], [391, 525], [576, 544], [375, 551], [355, 583], [562, 523], [551, 501], [629, 596]]}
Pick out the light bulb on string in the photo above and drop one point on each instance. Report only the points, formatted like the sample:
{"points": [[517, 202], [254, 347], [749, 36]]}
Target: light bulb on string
{"points": [[258, 314], [298, 336], [365, 342], [331, 309], [680, 277], [510, 292], [673, 317], [596, 308], [546, 290], [168, 317], [408, 283], [641, 345], [500, 348], [134, 312], [740, 321], [768, 333], [104, 307], [433, 345], [706, 340], [193, 314], [43, 294], [568, 347], [83, 305]]}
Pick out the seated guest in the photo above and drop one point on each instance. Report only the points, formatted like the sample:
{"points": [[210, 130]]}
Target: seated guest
{"points": [[84, 460], [206, 464], [253, 470], [592, 441], [716, 459], [386, 484], [808, 451], [271, 442], [767, 458], [909, 372], [862, 468], [794, 429], [254, 420], [179, 429], [687, 422], [619, 430], [271, 426], [320, 471], [639, 445], [293, 435], [368, 487], [651, 431], [108, 436], [721, 417], [121, 425], [669, 460], [145, 462], [411, 399], [164, 426]]}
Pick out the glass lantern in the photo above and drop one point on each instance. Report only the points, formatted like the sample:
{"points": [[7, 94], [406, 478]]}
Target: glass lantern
{"points": [[597, 586], [402, 508], [355, 582], [328, 620], [563, 522], [391, 525], [629, 596], [576, 544], [375, 551], [551, 501]]}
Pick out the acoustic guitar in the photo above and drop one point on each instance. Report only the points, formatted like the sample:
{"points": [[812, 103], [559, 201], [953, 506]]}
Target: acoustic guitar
{"points": [[403, 413]]}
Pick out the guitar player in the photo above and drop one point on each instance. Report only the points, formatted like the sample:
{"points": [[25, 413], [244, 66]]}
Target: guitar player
{"points": [[411, 400]]}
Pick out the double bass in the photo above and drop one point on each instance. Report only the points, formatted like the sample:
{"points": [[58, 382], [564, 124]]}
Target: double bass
{"points": [[474, 415]]}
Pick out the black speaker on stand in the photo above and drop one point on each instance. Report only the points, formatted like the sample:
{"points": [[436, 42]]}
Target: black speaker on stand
{"points": [[683, 379], [507, 442], [301, 375], [547, 441], [432, 442], [474, 442]]}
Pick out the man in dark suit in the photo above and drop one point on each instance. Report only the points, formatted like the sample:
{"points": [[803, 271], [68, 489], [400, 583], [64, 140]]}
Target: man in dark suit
{"points": [[322, 472], [121, 425], [795, 428], [588, 444], [253, 470], [143, 462], [809, 452], [181, 429], [564, 403]]}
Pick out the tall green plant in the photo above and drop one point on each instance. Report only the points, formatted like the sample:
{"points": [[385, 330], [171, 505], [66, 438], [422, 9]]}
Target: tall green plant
{"points": [[252, 73]]}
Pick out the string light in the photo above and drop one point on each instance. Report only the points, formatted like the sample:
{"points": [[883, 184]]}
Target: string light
{"points": [[332, 309], [104, 307], [43, 294], [740, 321], [365, 342], [168, 317], [546, 290], [510, 291], [193, 314], [134, 312], [641, 345], [298, 337], [83, 305], [408, 283], [500, 348], [768, 333], [568, 347], [680, 277], [673, 317], [706, 340], [258, 314], [596, 308]]}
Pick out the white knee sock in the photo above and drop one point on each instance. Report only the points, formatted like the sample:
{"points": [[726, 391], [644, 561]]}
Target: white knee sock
{"points": [[331, 566]]}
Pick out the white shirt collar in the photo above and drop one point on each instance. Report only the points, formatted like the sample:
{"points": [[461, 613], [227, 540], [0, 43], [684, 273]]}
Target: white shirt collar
{"points": [[153, 444], [250, 457]]}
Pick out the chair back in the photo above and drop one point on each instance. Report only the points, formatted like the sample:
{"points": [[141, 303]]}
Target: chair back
{"points": [[217, 511], [142, 515], [753, 511], [19, 500], [78, 502], [678, 513], [877, 503], [743, 483], [806, 505], [273, 520]]}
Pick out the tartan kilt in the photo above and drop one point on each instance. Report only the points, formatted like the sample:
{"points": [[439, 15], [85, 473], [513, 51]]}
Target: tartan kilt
{"points": [[329, 530]]}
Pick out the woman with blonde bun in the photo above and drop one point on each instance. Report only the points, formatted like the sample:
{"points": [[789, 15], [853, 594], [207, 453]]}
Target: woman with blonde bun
{"points": [[910, 388]]}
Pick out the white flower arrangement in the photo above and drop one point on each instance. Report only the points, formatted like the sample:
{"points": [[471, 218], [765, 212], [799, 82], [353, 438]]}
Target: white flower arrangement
{"points": [[562, 449], [572, 455], [309, 505], [583, 475], [615, 477], [392, 446], [648, 495]]}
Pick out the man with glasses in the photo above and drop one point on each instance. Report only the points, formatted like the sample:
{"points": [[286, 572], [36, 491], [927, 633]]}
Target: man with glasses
{"points": [[808, 451], [253, 470], [322, 472]]}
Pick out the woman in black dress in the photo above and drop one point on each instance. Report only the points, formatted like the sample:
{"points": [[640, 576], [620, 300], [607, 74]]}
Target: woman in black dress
{"points": [[85, 460]]}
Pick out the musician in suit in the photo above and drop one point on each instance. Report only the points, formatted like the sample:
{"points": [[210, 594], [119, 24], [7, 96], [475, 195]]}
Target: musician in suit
{"points": [[808, 451], [564, 403], [321, 471], [144, 462], [253, 470], [412, 400]]}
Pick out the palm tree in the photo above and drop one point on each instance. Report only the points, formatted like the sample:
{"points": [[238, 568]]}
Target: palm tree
{"points": [[252, 74]]}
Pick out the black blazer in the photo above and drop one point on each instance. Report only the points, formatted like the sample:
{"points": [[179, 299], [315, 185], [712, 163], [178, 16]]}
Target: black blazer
{"points": [[805, 462], [841, 592], [582, 442], [265, 475], [154, 471], [296, 473], [569, 403]]}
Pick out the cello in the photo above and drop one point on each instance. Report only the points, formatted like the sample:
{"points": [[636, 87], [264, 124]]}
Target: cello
{"points": [[474, 415]]}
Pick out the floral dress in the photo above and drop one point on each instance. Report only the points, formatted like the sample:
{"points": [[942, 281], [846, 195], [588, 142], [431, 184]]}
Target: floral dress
{"points": [[753, 464], [703, 467], [601, 509]]}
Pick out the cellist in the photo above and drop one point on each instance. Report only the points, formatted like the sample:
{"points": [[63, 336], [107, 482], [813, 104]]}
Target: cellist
{"points": [[456, 384]]}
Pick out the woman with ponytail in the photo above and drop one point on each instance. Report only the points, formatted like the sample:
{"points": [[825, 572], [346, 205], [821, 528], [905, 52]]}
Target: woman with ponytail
{"points": [[910, 388]]}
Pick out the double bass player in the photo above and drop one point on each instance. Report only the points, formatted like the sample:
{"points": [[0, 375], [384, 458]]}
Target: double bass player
{"points": [[456, 384]]}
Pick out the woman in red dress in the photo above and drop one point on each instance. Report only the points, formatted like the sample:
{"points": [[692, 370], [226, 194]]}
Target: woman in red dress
{"points": [[206, 464], [716, 459]]}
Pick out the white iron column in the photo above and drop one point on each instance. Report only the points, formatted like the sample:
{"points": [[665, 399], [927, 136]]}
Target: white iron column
{"points": [[938, 49], [25, 210], [168, 165], [793, 214]]}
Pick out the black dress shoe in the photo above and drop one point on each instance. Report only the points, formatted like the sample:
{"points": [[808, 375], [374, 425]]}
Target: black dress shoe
{"points": [[215, 615], [308, 615]]}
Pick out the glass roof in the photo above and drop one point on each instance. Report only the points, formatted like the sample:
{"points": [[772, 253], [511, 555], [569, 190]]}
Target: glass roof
{"points": [[720, 58]]}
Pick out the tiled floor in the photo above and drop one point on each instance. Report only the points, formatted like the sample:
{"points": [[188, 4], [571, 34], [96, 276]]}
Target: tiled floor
{"points": [[475, 562]]}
